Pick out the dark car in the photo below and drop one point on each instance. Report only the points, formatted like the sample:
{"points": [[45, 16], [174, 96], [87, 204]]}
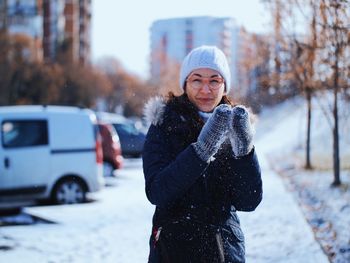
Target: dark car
{"points": [[131, 138], [112, 152]]}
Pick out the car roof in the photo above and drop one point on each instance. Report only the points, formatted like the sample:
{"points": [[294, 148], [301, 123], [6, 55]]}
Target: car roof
{"points": [[110, 117]]}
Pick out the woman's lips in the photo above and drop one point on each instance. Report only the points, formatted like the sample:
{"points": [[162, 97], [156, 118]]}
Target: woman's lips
{"points": [[204, 100]]}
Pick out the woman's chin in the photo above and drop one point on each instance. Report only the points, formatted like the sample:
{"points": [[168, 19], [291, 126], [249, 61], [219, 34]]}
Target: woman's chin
{"points": [[205, 107]]}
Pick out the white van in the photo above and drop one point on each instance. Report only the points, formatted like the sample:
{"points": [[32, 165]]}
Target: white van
{"points": [[49, 152]]}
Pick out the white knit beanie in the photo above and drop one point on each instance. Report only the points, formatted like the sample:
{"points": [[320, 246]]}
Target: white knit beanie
{"points": [[206, 57]]}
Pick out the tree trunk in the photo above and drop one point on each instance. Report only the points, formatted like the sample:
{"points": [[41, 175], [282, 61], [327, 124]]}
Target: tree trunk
{"points": [[308, 130], [336, 160]]}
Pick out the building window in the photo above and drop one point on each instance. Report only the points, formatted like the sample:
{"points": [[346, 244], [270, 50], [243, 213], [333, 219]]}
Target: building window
{"points": [[189, 22], [188, 35], [189, 40]]}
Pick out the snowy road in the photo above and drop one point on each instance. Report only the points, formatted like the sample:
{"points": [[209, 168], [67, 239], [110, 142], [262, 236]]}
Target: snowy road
{"points": [[115, 227]]}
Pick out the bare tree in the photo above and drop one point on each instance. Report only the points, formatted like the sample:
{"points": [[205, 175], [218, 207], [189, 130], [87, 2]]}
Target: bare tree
{"points": [[169, 78], [324, 43], [335, 37], [5, 68], [304, 62], [253, 76], [82, 86], [283, 51], [128, 92]]}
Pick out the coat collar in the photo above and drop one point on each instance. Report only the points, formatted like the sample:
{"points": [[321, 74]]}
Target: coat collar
{"points": [[154, 111]]}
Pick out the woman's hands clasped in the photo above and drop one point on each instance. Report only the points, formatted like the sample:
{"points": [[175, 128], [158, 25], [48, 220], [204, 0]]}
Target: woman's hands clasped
{"points": [[226, 122]]}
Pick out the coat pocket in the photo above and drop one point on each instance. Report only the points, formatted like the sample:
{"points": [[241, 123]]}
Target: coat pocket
{"points": [[237, 232], [188, 241], [173, 242], [233, 241]]}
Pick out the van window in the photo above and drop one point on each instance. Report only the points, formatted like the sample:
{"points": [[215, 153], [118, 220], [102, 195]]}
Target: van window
{"points": [[24, 133]]}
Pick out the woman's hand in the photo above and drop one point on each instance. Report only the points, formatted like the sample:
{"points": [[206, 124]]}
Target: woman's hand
{"points": [[241, 131], [213, 132]]}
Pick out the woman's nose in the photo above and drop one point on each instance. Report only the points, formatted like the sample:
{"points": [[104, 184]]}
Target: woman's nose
{"points": [[205, 88]]}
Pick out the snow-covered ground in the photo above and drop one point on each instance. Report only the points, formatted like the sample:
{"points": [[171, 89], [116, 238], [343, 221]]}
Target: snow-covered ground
{"points": [[277, 231], [326, 208], [115, 227]]}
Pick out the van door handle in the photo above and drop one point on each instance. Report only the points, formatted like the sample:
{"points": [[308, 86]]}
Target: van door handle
{"points": [[7, 162]]}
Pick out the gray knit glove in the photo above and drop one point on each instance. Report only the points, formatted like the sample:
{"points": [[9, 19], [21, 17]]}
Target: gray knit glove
{"points": [[213, 132], [241, 131]]}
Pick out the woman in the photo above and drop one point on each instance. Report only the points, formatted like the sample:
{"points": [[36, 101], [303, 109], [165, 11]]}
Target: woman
{"points": [[200, 166]]}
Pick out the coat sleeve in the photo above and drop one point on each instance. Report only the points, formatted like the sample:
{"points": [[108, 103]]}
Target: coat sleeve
{"points": [[167, 178], [245, 181]]}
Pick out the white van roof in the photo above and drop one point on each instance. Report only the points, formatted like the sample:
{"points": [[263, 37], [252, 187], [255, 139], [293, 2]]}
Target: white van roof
{"points": [[29, 109], [41, 108]]}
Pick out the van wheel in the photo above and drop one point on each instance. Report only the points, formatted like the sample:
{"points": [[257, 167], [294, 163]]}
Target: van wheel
{"points": [[69, 191], [108, 169]]}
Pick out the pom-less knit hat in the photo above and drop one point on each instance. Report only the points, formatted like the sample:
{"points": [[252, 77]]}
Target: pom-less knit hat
{"points": [[206, 57]]}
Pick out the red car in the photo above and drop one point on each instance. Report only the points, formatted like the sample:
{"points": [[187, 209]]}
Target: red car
{"points": [[112, 153]]}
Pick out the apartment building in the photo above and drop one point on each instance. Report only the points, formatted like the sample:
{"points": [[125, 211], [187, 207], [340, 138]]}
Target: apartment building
{"points": [[67, 26], [85, 14], [56, 26], [24, 17], [53, 27], [172, 39]]}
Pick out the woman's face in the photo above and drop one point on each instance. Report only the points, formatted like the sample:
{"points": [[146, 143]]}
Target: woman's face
{"points": [[205, 88]]}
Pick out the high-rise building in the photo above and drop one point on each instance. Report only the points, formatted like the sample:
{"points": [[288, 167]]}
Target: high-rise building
{"points": [[53, 27], [3, 15], [24, 17], [172, 39], [67, 26], [84, 31]]}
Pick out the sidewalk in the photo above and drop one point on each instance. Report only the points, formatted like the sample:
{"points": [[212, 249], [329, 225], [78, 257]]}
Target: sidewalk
{"points": [[277, 232]]}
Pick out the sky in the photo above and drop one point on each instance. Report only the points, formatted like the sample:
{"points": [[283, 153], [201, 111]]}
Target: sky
{"points": [[121, 29]]}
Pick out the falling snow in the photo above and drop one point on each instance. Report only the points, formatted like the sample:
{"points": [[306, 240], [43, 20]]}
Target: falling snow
{"points": [[301, 219]]}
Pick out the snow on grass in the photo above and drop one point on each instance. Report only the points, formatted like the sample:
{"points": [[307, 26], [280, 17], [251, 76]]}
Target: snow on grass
{"points": [[326, 208]]}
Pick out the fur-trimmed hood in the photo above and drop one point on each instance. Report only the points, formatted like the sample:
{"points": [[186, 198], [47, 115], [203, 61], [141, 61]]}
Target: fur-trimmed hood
{"points": [[157, 108], [153, 111], [175, 115]]}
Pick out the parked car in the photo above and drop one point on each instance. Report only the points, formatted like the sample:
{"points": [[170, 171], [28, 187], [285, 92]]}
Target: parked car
{"points": [[131, 138], [112, 153], [49, 152]]}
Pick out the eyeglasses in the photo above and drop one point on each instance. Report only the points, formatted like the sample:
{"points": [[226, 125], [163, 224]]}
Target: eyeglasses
{"points": [[197, 82]]}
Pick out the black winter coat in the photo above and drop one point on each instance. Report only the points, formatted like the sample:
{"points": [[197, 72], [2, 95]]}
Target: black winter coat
{"points": [[195, 218]]}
